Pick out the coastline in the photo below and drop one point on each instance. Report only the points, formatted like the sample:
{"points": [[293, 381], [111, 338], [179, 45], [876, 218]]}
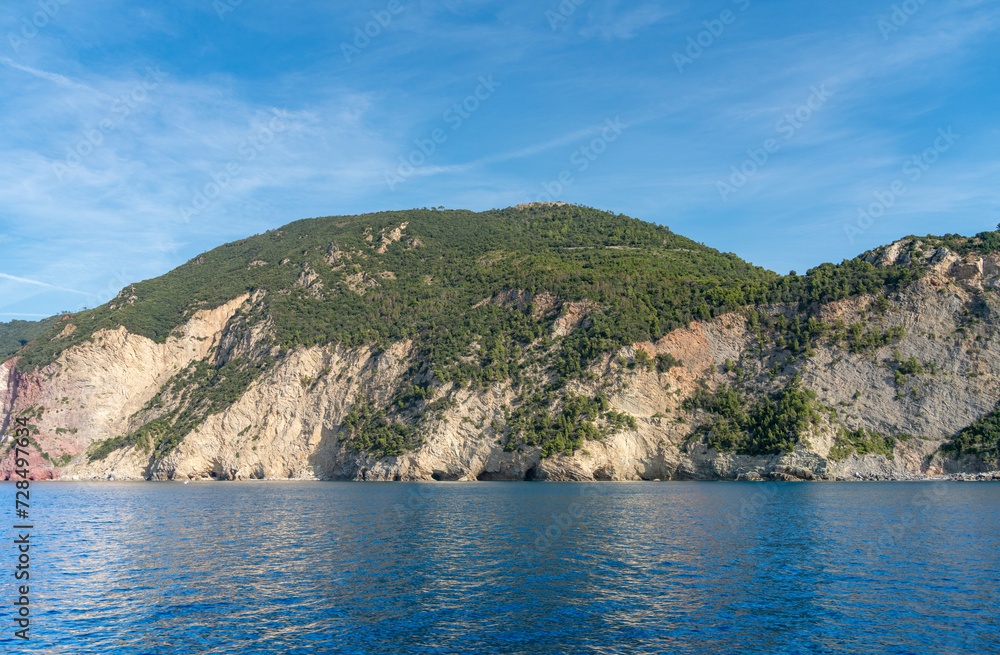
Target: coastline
{"points": [[990, 476]]}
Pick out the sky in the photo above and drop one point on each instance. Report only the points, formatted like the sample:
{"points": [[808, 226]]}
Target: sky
{"points": [[134, 136]]}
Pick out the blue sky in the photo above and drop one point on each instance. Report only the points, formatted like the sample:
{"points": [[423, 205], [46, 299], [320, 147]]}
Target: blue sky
{"points": [[134, 136]]}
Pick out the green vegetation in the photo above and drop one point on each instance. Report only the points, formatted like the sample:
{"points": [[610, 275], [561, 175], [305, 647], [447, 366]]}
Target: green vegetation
{"points": [[773, 425], [904, 368], [666, 362], [910, 367], [801, 332], [830, 282], [479, 294], [863, 442], [197, 392], [560, 423], [366, 429], [981, 439], [32, 412], [643, 360], [101, 449], [645, 280], [58, 461], [984, 242], [17, 334]]}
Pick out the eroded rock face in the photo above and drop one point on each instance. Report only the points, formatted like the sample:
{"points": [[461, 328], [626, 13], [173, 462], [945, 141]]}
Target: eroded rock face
{"points": [[973, 272], [286, 424], [91, 390]]}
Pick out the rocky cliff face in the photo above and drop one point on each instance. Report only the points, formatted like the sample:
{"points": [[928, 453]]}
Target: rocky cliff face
{"points": [[287, 423]]}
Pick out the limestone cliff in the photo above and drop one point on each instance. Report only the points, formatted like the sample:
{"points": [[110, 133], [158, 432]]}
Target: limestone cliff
{"points": [[288, 420]]}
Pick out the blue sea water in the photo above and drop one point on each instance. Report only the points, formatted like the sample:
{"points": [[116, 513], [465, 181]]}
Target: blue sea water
{"points": [[272, 567]]}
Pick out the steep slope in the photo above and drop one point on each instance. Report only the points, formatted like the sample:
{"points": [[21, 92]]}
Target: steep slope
{"points": [[540, 342]]}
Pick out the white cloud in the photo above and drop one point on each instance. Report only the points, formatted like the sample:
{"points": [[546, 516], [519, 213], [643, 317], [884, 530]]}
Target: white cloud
{"points": [[608, 22], [55, 78], [24, 280]]}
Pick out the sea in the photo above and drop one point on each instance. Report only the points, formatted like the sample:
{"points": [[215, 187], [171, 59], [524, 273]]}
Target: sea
{"points": [[494, 567]]}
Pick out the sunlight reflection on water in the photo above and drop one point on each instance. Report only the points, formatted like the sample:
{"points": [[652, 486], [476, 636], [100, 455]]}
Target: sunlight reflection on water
{"points": [[513, 568]]}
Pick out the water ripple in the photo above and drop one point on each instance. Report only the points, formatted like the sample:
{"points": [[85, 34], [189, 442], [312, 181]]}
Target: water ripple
{"points": [[513, 568]]}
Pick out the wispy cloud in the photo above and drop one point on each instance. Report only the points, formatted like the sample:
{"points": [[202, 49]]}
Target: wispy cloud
{"points": [[512, 155], [112, 212], [610, 22], [55, 78], [24, 280]]}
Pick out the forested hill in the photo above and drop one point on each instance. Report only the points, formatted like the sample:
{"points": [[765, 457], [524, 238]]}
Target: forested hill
{"points": [[505, 335], [378, 278], [16, 334]]}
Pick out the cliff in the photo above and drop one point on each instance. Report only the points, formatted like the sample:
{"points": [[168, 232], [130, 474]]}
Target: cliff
{"points": [[871, 386]]}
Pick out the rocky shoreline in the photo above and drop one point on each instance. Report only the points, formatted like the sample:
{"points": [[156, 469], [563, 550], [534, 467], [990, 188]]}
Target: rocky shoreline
{"points": [[779, 474], [993, 476]]}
